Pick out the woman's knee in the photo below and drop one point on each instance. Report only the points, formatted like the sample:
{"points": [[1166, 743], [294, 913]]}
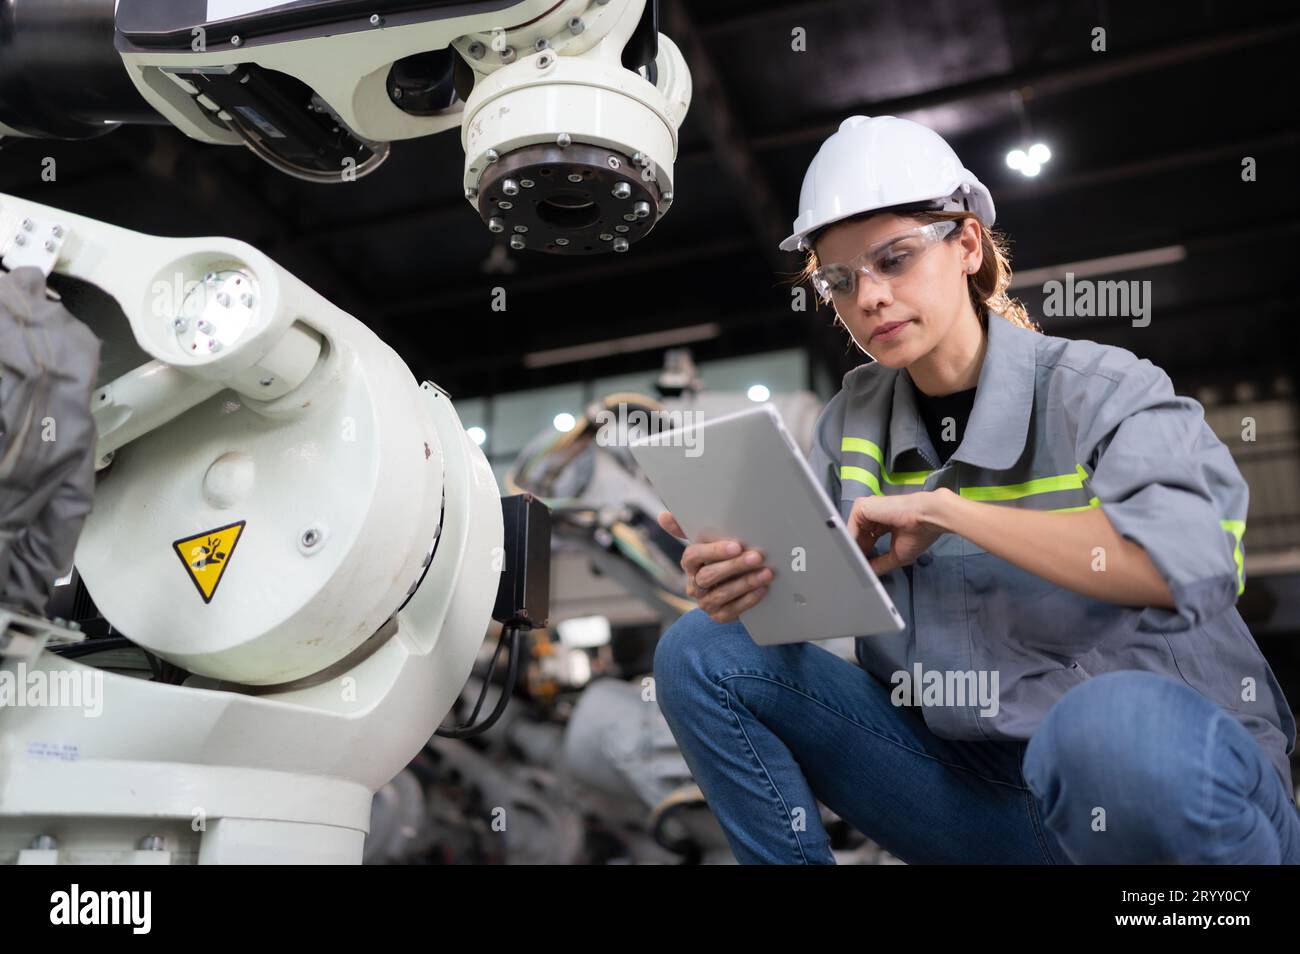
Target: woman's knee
{"points": [[1116, 732], [692, 650]]}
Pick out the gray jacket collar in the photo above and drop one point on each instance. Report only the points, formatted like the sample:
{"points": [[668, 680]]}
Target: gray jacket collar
{"points": [[1004, 400]]}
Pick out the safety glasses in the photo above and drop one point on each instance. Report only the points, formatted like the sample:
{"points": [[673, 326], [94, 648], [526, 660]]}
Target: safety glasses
{"points": [[882, 262]]}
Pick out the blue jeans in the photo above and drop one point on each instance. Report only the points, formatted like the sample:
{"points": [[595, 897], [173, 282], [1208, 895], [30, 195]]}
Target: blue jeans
{"points": [[1126, 768]]}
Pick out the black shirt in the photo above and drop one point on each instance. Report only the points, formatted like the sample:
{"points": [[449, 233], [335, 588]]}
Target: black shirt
{"points": [[936, 410]]}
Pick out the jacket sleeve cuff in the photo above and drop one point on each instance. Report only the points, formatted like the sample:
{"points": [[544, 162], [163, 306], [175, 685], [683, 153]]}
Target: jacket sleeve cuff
{"points": [[1185, 550]]}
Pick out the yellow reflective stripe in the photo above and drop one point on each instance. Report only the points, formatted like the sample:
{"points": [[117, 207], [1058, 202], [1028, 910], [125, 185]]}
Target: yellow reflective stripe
{"points": [[911, 477], [862, 476], [1237, 528], [860, 445], [1039, 485]]}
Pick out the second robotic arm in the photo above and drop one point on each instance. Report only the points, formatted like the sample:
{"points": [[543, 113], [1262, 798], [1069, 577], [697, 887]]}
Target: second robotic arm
{"points": [[568, 110]]}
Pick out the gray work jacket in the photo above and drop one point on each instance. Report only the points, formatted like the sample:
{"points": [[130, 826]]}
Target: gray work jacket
{"points": [[1058, 425]]}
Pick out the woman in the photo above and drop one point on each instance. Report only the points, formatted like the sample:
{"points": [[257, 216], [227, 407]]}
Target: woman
{"points": [[1054, 524]]}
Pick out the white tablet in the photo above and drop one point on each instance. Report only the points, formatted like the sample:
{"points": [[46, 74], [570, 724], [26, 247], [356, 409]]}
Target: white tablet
{"points": [[741, 476]]}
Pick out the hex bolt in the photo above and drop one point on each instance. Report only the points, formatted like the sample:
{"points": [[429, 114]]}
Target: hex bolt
{"points": [[20, 239], [620, 228], [205, 326], [667, 197], [179, 324], [517, 241], [621, 190], [629, 216], [642, 210], [620, 244], [505, 205], [574, 177], [57, 231], [152, 843], [44, 843], [576, 25], [561, 241], [214, 345], [527, 183], [521, 229], [491, 156], [223, 299], [246, 300], [49, 245], [606, 237], [209, 278], [376, 19], [495, 224], [541, 44], [508, 55], [563, 139], [510, 187], [310, 537], [471, 194], [28, 225], [476, 50], [235, 41]]}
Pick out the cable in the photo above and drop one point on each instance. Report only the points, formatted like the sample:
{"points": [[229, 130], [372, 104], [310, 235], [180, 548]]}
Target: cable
{"points": [[487, 680], [469, 729], [162, 671], [101, 644]]}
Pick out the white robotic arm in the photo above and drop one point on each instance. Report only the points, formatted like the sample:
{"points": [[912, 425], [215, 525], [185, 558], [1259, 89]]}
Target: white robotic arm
{"points": [[568, 110], [281, 509], [294, 415], [285, 513]]}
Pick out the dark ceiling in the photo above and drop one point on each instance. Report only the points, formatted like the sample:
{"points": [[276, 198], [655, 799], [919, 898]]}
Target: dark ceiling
{"points": [[1148, 140]]}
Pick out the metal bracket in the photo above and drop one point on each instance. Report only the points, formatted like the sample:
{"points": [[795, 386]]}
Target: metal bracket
{"points": [[436, 388], [30, 240]]}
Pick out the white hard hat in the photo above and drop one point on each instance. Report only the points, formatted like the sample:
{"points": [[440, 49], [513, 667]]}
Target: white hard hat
{"points": [[880, 163]]}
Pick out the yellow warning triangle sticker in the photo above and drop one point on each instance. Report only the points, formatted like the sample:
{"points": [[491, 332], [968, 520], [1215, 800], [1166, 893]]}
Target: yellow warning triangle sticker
{"points": [[206, 556]]}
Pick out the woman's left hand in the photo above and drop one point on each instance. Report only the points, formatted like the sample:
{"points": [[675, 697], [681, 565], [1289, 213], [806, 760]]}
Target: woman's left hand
{"points": [[908, 520]]}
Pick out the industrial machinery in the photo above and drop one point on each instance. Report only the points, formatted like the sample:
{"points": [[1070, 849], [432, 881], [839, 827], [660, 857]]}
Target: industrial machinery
{"points": [[568, 111], [607, 541], [296, 534], [284, 515]]}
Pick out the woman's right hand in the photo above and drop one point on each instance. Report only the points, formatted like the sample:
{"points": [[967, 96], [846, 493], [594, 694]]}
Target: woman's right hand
{"points": [[722, 576]]}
